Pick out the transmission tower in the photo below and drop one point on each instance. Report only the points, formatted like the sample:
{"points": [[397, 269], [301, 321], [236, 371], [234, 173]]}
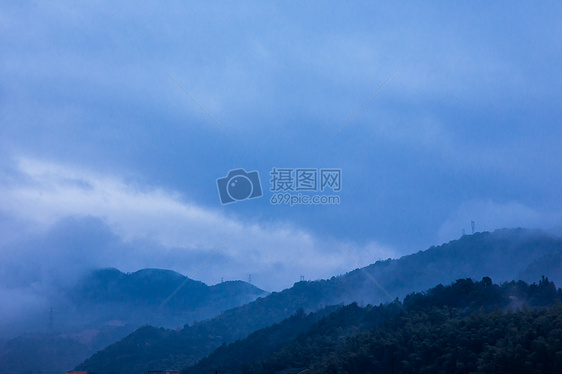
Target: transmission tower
{"points": [[249, 278], [472, 224]]}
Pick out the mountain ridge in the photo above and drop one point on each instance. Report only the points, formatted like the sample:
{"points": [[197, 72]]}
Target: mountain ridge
{"points": [[354, 338], [508, 251], [106, 305]]}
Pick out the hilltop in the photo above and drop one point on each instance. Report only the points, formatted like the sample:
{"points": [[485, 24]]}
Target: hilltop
{"points": [[509, 254]]}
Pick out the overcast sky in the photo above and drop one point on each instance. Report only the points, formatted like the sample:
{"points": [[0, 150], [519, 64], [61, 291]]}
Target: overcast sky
{"points": [[106, 161]]}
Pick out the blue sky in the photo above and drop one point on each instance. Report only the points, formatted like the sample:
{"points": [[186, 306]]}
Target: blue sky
{"points": [[105, 161]]}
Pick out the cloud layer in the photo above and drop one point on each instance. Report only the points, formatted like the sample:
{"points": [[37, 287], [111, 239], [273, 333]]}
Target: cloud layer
{"points": [[100, 220]]}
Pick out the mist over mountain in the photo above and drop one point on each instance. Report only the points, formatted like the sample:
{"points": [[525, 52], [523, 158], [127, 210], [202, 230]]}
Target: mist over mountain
{"points": [[49, 352], [463, 327], [344, 145], [106, 305], [503, 255], [142, 297]]}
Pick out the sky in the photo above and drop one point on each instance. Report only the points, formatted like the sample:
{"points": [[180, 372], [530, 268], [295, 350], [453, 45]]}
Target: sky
{"points": [[117, 119]]}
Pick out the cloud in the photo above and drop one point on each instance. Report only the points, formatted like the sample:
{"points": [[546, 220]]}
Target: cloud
{"points": [[473, 112], [489, 215], [87, 219]]}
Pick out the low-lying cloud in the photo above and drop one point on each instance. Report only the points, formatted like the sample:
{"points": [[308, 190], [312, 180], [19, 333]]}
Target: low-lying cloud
{"points": [[82, 219], [489, 215]]}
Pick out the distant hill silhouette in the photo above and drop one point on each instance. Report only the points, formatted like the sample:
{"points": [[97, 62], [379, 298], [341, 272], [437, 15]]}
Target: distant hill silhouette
{"points": [[503, 255], [113, 295], [107, 304]]}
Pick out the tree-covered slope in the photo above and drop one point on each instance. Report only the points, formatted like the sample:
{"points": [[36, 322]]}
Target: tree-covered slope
{"points": [[502, 255], [462, 328]]}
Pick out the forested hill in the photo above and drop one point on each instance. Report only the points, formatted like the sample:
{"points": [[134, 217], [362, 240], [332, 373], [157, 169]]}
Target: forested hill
{"points": [[462, 328], [107, 305], [109, 294], [503, 255]]}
